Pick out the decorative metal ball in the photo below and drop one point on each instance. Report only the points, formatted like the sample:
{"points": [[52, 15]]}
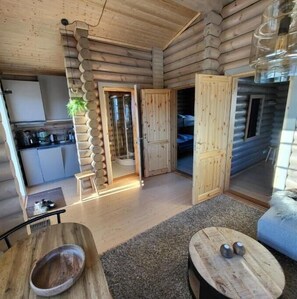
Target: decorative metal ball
{"points": [[239, 248], [226, 251]]}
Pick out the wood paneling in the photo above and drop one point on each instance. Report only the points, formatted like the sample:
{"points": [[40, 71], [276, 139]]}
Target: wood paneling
{"points": [[30, 40], [212, 111], [155, 105]]}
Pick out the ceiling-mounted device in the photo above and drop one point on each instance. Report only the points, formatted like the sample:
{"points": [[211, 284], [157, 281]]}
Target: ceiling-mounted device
{"points": [[274, 43]]}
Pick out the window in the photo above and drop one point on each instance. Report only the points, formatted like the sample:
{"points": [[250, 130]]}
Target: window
{"points": [[254, 116]]}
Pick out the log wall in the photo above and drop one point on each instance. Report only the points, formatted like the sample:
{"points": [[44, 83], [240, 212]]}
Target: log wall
{"points": [[240, 19], [194, 51], [88, 62], [251, 151]]}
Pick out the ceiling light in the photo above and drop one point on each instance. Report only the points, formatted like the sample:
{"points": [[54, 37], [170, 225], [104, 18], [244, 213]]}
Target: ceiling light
{"points": [[274, 43]]}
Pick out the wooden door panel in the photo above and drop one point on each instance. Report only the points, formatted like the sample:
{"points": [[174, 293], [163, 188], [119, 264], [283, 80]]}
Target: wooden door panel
{"points": [[156, 131], [212, 113]]}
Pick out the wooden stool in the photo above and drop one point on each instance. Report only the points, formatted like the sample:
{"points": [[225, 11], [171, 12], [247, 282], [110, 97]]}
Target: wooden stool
{"points": [[83, 176]]}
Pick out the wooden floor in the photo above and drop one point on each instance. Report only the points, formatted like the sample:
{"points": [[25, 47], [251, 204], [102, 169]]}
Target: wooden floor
{"points": [[255, 182], [118, 216]]}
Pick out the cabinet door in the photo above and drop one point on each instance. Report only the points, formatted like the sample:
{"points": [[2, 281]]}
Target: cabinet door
{"points": [[55, 96], [25, 102], [70, 159], [30, 161], [51, 163]]}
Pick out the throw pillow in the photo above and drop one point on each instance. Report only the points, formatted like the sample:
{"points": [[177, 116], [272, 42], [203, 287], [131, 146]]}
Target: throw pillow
{"points": [[285, 203]]}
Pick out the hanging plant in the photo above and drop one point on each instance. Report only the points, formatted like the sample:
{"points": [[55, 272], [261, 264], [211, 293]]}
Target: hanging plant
{"points": [[76, 105]]}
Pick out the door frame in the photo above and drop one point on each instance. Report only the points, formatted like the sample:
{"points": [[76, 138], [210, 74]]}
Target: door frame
{"points": [[235, 79], [119, 87]]}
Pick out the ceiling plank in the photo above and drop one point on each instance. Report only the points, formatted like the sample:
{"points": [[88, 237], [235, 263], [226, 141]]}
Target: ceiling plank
{"points": [[202, 6]]}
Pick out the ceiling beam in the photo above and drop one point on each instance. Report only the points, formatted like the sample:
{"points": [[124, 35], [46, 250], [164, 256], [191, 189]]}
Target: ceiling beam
{"points": [[202, 6]]}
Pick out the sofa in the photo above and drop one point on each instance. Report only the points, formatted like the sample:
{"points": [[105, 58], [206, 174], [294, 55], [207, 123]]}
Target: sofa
{"points": [[277, 228]]}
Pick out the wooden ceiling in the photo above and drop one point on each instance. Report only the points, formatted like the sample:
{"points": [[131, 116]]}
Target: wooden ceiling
{"points": [[30, 30]]}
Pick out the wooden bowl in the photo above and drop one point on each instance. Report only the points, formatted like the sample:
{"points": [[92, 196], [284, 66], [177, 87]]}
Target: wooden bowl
{"points": [[58, 270]]}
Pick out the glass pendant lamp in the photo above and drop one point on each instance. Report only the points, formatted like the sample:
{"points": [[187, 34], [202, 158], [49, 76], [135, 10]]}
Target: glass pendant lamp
{"points": [[274, 43]]}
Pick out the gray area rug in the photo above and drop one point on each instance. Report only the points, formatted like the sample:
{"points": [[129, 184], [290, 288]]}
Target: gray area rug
{"points": [[56, 195], [154, 263]]}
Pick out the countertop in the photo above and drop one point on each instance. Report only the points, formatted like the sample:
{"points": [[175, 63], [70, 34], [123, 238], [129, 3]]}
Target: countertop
{"points": [[47, 146]]}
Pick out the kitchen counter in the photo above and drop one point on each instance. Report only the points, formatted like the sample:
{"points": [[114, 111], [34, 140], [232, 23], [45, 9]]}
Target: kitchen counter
{"points": [[47, 146]]}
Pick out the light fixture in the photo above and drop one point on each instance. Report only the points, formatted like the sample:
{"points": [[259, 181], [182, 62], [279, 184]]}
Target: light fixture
{"points": [[274, 43]]}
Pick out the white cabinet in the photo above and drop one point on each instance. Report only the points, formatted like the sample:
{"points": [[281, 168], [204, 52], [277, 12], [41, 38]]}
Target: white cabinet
{"points": [[31, 165], [55, 96], [42, 165], [51, 163], [24, 103], [70, 159]]}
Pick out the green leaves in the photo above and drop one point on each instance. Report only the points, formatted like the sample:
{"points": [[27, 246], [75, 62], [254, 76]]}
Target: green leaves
{"points": [[76, 105]]}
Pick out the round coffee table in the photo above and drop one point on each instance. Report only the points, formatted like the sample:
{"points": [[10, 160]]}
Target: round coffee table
{"points": [[257, 274]]}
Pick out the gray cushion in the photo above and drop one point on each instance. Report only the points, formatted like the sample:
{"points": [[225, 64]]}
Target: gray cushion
{"points": [[278, 233]]}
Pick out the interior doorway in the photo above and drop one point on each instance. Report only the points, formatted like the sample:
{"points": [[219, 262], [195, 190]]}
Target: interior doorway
{"points": [[185, 130], [120, 129], [120, 126], [258, 121]]}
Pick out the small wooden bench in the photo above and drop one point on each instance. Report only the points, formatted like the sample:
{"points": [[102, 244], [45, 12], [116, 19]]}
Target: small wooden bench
{"points": [[90, 175]]}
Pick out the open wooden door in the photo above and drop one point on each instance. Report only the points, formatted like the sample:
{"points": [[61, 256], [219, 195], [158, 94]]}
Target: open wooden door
{"points": [[156, 131], [212, 113], [136, 134]]}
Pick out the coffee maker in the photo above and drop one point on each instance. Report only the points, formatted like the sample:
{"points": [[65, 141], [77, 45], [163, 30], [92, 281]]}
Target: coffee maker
{"points": [[26, 139]]}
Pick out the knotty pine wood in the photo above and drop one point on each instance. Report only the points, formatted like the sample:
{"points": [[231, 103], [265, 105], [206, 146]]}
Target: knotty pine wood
{"points": [[14, 281], [257, 274], [212, 111]]}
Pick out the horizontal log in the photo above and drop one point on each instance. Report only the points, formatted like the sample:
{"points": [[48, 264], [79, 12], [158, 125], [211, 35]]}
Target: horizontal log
{"points": [[88, 86], [92, 114], [81, 137], [84, 54], [5, 173], [82, 43], [74, 83], [211, 53], [85, 153], [112, 49], [212, 17], [80, 120], [236, 6], [92, 105], [83, 145], [105, 76], [190, 32], [85, 161], [237, 42], [244, 15], [89, 96], [241, 29], [68, 40], [183, 83], [94, 132], [183, 45], [115, 68], [180, 78], [111, 58], [207, 64], [72, 62], [96, 141], [208, 41], [235, 55], [87, 76], [79, 33], [81, 128], [235, 64], [98, 150], [85, 65]]}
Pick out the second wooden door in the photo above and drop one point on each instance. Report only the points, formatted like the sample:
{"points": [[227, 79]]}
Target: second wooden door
{"points": [[156, 131]]}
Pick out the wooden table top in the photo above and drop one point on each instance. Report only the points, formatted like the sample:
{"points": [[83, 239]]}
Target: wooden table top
{"points": [[257, 274], [17, 262]]}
